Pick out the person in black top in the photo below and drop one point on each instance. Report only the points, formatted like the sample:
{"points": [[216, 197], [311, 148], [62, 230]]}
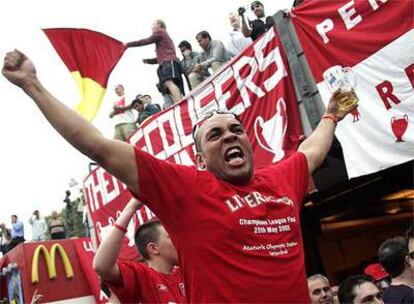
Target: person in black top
{"points": [[394, 257], [258, 26]]}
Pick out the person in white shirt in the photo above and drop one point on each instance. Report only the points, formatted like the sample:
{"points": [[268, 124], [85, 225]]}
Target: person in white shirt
{"points": [[39, 226], [237, 42], [123, 116]]}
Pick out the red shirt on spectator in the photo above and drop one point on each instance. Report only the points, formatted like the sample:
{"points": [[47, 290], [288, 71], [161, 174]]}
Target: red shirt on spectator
{"points": [[236, 243], [142, 284], [164, 46]]}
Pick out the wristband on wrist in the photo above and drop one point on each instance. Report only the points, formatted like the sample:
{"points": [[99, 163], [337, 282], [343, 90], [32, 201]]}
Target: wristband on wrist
{"points": [[331, 117], [120, 228]]}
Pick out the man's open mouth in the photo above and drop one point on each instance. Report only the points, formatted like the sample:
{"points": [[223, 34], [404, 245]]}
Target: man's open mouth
{"points": [[234, 155]]}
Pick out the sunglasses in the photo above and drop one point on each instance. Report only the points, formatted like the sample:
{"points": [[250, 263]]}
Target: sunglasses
{"points": [[208, 115]]}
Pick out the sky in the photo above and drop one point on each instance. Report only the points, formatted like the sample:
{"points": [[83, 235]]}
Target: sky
{"points": [[36, 163]]}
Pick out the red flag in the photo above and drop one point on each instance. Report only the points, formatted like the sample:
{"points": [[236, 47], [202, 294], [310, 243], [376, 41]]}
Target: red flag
{"points": [[90, 56]]}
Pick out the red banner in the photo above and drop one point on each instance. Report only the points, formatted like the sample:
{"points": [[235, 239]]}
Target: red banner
{"points": [[255, 85], [373, 40], [86, 253]]}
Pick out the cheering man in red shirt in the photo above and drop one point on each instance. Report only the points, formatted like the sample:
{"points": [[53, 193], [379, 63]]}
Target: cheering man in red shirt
{"points": [[236, 230], [158, 281]]}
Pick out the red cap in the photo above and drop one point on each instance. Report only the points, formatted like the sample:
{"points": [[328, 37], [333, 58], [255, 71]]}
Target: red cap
{"points": [[376, 271]]}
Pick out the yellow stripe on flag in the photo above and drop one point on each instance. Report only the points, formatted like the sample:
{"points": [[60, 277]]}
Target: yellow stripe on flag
{"points": [[92, 94]]}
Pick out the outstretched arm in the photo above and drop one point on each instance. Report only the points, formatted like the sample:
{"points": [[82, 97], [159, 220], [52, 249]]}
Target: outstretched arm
{"points": [[116, 157], [244, 28], [154, 38], [104, 262], [318, 144]]}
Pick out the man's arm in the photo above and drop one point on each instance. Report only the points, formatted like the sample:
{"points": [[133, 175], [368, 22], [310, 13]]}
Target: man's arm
{"points": [[154, 38], [104, 262], [244, 28], [217, 53], [117, 157], [318, 144]]}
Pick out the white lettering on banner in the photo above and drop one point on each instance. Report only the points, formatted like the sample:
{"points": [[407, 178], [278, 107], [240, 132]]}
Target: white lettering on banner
{"points": [[374, 3], [185, 139], [246, 83], [347, 11], [326, 26], [203, 96], [176, 146], [264, 62], [101, 188], [348, 15], [218, 83], [153, 125], [87, 246]]}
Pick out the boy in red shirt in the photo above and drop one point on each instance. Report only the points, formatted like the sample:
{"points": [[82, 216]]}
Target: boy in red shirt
{"points": [[158, 281]]}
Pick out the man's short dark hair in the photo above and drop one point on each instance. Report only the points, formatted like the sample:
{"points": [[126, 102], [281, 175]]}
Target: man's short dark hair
{"points": [[185, 45], [204, 34], [254, 3], [346, 292], [14, 215], [391, 255], [145, 234]]}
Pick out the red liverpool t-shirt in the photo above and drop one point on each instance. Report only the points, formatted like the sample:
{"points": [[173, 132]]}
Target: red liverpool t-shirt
{"points": [[142, 284], [236, 243]]}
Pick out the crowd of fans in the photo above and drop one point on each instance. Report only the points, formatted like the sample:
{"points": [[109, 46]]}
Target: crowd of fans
{"points": [[42, 229], [194, 66], [391, 281]]}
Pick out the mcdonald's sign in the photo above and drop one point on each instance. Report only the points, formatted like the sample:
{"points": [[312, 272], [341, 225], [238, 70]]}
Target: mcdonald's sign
{"points": [[50, 259]]}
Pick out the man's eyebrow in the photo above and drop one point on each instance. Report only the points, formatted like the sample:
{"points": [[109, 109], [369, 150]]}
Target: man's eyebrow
{"points": [[213, 129]]}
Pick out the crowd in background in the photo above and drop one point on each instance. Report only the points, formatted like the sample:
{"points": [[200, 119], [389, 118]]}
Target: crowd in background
{"points": [[69, 222], [390, 281], [194, 66], [52, 227]]}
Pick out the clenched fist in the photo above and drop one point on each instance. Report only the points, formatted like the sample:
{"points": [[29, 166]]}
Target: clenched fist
{"points": [[18, 69]]}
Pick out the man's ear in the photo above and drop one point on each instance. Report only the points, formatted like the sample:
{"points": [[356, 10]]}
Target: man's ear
{"points": [[152, 249], [201, 165]]}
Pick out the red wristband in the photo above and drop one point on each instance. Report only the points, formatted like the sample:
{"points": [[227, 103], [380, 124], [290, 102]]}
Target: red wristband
{"points": [[119, 227], [331, 117]]}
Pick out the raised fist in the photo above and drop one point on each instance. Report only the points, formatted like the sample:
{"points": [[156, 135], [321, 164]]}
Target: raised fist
{"points": [[18, 69]]}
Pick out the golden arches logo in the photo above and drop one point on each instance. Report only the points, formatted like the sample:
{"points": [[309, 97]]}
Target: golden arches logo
{"points": [[50, 259]]}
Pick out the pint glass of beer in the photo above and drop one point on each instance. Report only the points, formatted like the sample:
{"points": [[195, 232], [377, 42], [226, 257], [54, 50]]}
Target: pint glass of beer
{"points": [[337, 77]]}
